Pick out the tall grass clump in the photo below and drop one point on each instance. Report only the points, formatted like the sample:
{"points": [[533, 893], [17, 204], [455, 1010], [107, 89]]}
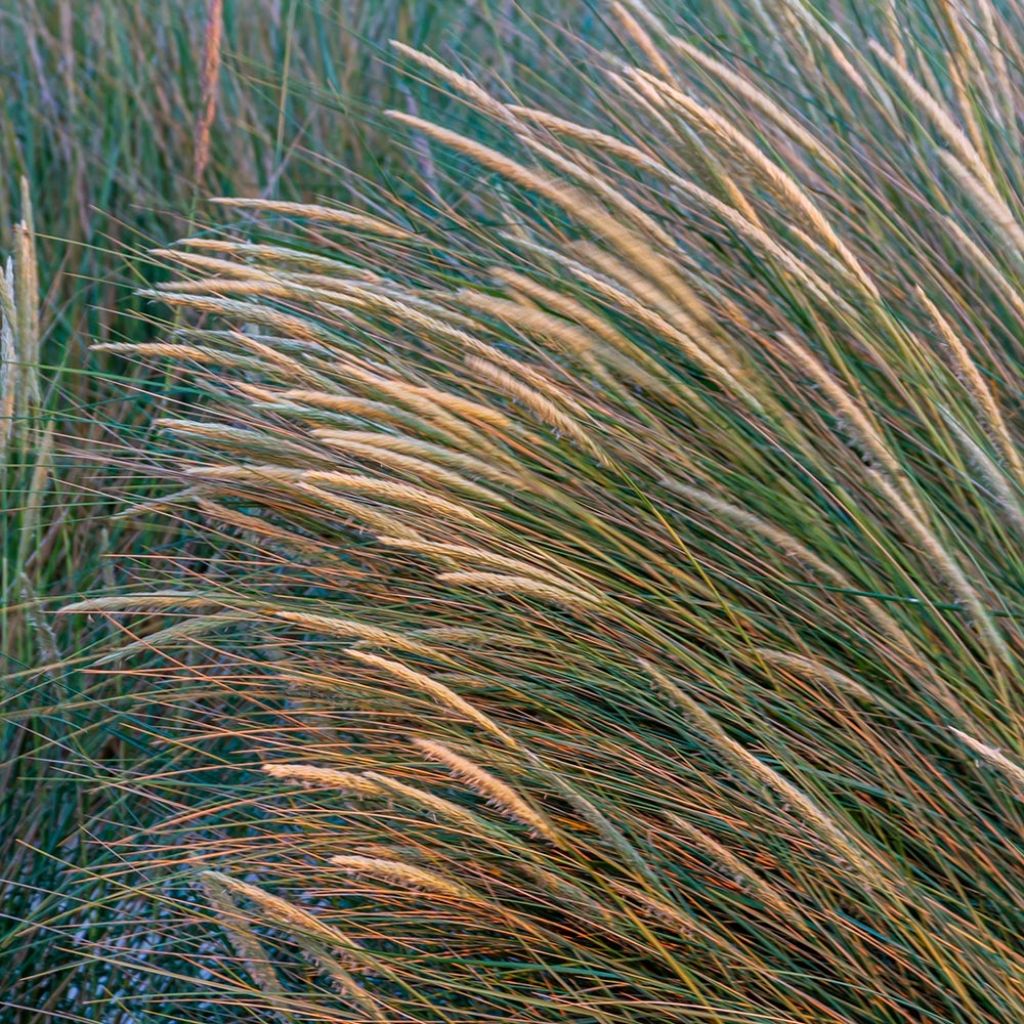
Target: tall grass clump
{"points": [[117, 117], [614, 594]]}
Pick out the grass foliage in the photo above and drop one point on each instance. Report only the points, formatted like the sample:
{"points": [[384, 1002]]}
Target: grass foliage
{"points": [[602, 592], [104, 109]]}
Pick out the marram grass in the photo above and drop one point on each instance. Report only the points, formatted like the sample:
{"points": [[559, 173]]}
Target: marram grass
{"points": [[614, 598]]}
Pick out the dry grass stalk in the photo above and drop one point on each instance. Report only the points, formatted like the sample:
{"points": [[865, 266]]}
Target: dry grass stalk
{"points": [[248, 948], [444, 810], [406, 876], [498, 794], [939, 116], [323, 214], [330, 778], [979, 390], [209, 76], [993, 756], [502, 583], [442, 694]]}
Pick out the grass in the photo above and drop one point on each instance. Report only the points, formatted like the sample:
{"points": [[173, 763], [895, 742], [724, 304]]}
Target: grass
{"points": [[101, 118], [592, 565]]}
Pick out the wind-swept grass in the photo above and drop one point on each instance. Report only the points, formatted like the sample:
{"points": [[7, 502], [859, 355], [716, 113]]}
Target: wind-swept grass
{"points": [[120, 118], [613, 595]]}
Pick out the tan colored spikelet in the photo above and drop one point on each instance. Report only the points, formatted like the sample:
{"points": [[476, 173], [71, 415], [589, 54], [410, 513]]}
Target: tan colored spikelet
{"points": [[460, 83], [290, 326], [417, 447], [751, 230], [612, 195], [765, 243], [979, 390], [637, 33], [154, 601], [41, 453], [179, 353], [784, 186], [820, 29], [643, 97], [600, 822], [363, 517], [742, 215], [1007, 502], [259, 528], [649, 307], [644, 313], [330, 778], [208, 85], [25, 388], [812, 669], [470, 634], [263, 472], [526, 318], [324, 214], [431, 405], [939, 116], [570, 897], [470, 410], [741, 872], [984, 263], [576, 203], [213, 265], [863, 430], [8, 360], [997, 759], [188, 629], [438, 690], [273, 254], [257, 285], [297, 482], [407, 876], [373, 487], [947, 568], [537, 379], [342, 981], [545, 409], [411, 465], [443, 809], [996, 56], [288, 369], [785, 542], [246, 944], [591, 136], [749, 93], [332, 293], [26, 292], [499, 794], [959, 73], [658, 910], [393, 491], [343, 404], [989, 205], [352, 629], [803, 555], [236, 437], [636, 363], [476, 554], [282, 912], [503, 583]]}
